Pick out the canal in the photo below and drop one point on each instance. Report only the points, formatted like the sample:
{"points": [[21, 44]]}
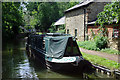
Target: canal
{"points": [[16, 64]]}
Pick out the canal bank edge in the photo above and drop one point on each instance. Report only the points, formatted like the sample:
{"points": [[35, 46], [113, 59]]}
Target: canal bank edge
{"points": [[103, 68]]}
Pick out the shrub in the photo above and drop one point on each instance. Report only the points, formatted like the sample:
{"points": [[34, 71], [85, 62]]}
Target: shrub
{"points": [[101, 42], [61, 31], [90, 45]]}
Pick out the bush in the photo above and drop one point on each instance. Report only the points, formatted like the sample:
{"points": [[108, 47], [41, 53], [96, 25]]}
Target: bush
{"points": [[101, 42], [90, 45], [61, 31], [97, 44]]}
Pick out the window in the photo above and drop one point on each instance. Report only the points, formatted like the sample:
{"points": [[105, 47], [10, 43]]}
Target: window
{"points": [[75, 32], [115, 33], [67, 31]]}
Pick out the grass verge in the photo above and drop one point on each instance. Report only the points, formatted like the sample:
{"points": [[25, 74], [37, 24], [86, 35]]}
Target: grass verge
{"points": [[91, 45], [110, 51], [101, 61]]}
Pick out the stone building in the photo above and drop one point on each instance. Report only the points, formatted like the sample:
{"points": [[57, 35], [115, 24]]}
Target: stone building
{"points": [[77, 17]]}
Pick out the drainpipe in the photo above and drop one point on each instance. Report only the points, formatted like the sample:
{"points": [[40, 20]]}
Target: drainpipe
{"points": [[85, 25], [84, 22]]}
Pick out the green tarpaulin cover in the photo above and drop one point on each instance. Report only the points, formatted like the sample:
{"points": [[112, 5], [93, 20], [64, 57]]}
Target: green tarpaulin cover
{"points": [[55, 46]]}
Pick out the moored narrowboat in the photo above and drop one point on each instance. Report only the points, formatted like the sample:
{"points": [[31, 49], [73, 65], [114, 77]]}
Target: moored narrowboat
{"points": [[58, 52]]}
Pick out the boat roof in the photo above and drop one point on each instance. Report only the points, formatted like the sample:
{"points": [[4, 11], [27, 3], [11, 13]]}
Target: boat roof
{"points": [[56, 46], [55, 43]]}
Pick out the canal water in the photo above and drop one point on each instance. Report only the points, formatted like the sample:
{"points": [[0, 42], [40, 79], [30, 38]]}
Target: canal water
{"points": [[16, 64]]}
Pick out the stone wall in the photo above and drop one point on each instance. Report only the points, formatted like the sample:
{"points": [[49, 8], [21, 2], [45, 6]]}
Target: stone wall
{"points": [[114, 43], [75, 20], [93, 10]]}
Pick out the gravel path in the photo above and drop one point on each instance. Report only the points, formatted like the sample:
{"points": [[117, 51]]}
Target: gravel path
{"points": [[112, 57]]}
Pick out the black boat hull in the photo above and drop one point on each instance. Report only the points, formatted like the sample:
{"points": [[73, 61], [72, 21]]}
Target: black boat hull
{"points": [[83, 65]]}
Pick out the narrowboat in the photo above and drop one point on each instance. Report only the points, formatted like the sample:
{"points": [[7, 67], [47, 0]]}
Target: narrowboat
{"points": [[59, 52]]}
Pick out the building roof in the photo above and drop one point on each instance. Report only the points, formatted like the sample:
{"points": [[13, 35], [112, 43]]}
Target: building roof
{"points": [[84, 3], [61, 21], [93, 22]]}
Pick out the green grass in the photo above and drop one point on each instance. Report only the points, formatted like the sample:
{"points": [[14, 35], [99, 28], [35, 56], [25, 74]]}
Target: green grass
{"points": [[101, 61], [91, 45], [110, 51]]}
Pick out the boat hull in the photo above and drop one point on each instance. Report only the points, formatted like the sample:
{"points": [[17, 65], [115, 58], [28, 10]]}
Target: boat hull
{"points": [[83, 65], [66, 67]]}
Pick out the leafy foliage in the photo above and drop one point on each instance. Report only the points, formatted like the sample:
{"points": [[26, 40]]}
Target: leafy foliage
{"points": [[90, 45], [111, 12], [101, 42], [61, 31], [52, 28], [46, 13], [11, 18], [39, 15]]}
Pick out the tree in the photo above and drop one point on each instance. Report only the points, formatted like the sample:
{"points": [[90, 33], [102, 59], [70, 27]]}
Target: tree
{"points": [[110, 13], [11, 18], [46, 13]]}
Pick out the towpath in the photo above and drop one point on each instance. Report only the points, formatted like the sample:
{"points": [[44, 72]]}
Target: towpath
{"points": [[112, 57]]}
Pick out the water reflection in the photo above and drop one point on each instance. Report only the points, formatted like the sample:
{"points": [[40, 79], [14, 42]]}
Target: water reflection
{"points": [[16, 64], [24, 70]]}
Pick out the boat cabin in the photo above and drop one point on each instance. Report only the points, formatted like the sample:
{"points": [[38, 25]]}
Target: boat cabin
{"points": [[55, 45]]}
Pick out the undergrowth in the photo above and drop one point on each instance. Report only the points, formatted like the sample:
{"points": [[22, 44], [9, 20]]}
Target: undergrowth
{"points": [[91, 45]]}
